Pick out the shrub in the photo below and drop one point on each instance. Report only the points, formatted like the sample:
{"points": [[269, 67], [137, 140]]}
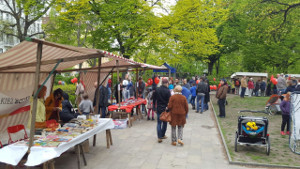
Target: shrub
{"points": [[70, 89]]}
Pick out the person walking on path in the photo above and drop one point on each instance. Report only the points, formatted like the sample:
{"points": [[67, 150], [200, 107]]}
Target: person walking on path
{"points": [[201, 90], [161, 97], [178, 107], [244, 86], [194, 94], [250, 86], [285, 108], [221, 95], [150, 104]]}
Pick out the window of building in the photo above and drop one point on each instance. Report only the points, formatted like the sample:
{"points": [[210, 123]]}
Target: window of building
{"points": [[1, 50]]}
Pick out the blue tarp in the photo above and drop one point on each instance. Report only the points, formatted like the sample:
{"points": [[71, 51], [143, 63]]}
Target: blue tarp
{"points": [[173, 70]]}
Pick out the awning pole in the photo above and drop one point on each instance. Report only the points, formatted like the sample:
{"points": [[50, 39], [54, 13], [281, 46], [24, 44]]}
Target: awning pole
{"points": [[98, 84], [36, 85], [137, 82], [119, 86], [169, 74]]}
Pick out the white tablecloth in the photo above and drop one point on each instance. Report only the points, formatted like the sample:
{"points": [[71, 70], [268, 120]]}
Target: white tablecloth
{"points": [[12, 154]]}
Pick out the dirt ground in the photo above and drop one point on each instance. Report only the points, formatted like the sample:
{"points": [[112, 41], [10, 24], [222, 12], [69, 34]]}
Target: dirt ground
{"points": [[280, 153]]}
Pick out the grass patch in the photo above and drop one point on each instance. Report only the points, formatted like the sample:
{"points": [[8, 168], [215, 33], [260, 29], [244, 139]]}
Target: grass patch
{"points": [[254, 154]]}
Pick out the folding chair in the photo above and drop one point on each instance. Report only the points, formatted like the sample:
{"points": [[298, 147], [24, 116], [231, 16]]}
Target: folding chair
{"points": [[15, 129]]}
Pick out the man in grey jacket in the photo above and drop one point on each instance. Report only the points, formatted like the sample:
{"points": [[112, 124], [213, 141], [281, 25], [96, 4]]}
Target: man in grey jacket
{"points": [[281, 83]]}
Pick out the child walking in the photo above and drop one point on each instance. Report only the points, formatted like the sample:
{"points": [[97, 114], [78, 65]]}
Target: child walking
{"points": [[285, 109], [86, 105], [150, 104]]}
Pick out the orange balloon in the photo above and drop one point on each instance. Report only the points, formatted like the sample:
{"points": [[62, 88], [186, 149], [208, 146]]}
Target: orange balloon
{"points": [[197, 81]]}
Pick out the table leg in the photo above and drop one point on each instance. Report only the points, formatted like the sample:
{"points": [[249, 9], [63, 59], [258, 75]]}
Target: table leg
{"points": [[78, 156], [94, 140], [107, 139], [52, 164], [45, 165], [110, 137], [83, 156], [129, 120]]}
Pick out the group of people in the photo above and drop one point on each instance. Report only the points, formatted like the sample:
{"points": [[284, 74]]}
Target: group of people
{"points": [[284, 85], [174, 96]]}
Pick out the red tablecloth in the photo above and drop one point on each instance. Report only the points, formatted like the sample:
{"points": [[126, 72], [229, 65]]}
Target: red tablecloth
{"points": [[128, 105]]}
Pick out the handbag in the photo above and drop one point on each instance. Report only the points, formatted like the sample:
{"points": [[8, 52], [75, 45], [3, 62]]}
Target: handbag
{"points": [[165, 116]]}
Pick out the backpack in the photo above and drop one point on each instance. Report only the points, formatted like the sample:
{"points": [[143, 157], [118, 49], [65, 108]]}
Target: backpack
{"points": [[237, 83]]}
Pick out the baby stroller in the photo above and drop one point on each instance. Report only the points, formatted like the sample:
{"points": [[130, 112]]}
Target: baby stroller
{"points": [[272, 105], [252, 131]]}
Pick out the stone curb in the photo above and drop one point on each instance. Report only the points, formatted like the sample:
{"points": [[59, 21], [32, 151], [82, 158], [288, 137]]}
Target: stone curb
{"points": [[243, 163]]}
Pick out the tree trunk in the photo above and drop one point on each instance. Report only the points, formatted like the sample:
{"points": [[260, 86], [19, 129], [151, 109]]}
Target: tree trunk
{"points": [[210, 67]]}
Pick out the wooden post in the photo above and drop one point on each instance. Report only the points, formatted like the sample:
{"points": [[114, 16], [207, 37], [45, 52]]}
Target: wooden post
{"points": [[97, 111], [112, 88], [119, 89], [98, 83], [137, 82], [169, 74], [36, 85]]}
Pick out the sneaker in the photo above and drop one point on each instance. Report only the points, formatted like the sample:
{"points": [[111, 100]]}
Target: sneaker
{"points": [[148, 118], [152, 118], [287, 133], [159, 140], [173, 143], [180, 142], [282, 133]]}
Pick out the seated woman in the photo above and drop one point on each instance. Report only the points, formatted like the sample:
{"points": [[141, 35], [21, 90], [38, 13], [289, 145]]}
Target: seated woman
{"points": [[53, 105], [40, 111], [67, 113]]}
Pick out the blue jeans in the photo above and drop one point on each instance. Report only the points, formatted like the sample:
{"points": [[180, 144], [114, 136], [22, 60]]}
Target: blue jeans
{"points": [[243, 92], [200, 97], [193, 101], [189, 99], [280, 91], [161, 126], [103, 112]]}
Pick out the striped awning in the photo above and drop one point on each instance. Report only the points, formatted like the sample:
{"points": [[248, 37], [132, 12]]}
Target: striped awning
{"points": [[22, 57]]}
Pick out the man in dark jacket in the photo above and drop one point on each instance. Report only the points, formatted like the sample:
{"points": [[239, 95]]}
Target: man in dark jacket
{"points": [[263, 86], [103, 100], [221, 95], [201, 90], [161, 97]]}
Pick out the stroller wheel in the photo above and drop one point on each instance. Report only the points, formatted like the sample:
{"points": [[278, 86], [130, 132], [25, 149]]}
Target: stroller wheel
{"points": [[268, 146], [235, 142]]}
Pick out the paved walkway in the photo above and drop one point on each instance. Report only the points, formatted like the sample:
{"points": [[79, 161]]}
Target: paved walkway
{"points": [[137, 148]]}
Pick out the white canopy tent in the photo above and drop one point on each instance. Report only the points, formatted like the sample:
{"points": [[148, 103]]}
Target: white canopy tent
{"points": [[32, 62]]}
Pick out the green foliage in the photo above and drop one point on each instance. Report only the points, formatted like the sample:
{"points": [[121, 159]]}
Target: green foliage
{"points": [[70, 89], [65, 78]]}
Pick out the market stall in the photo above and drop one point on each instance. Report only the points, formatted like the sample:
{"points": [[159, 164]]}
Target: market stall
{"points": [[34, 62]]}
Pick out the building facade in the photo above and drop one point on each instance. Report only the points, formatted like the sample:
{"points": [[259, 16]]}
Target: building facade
{"points": [[8, 41]]}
